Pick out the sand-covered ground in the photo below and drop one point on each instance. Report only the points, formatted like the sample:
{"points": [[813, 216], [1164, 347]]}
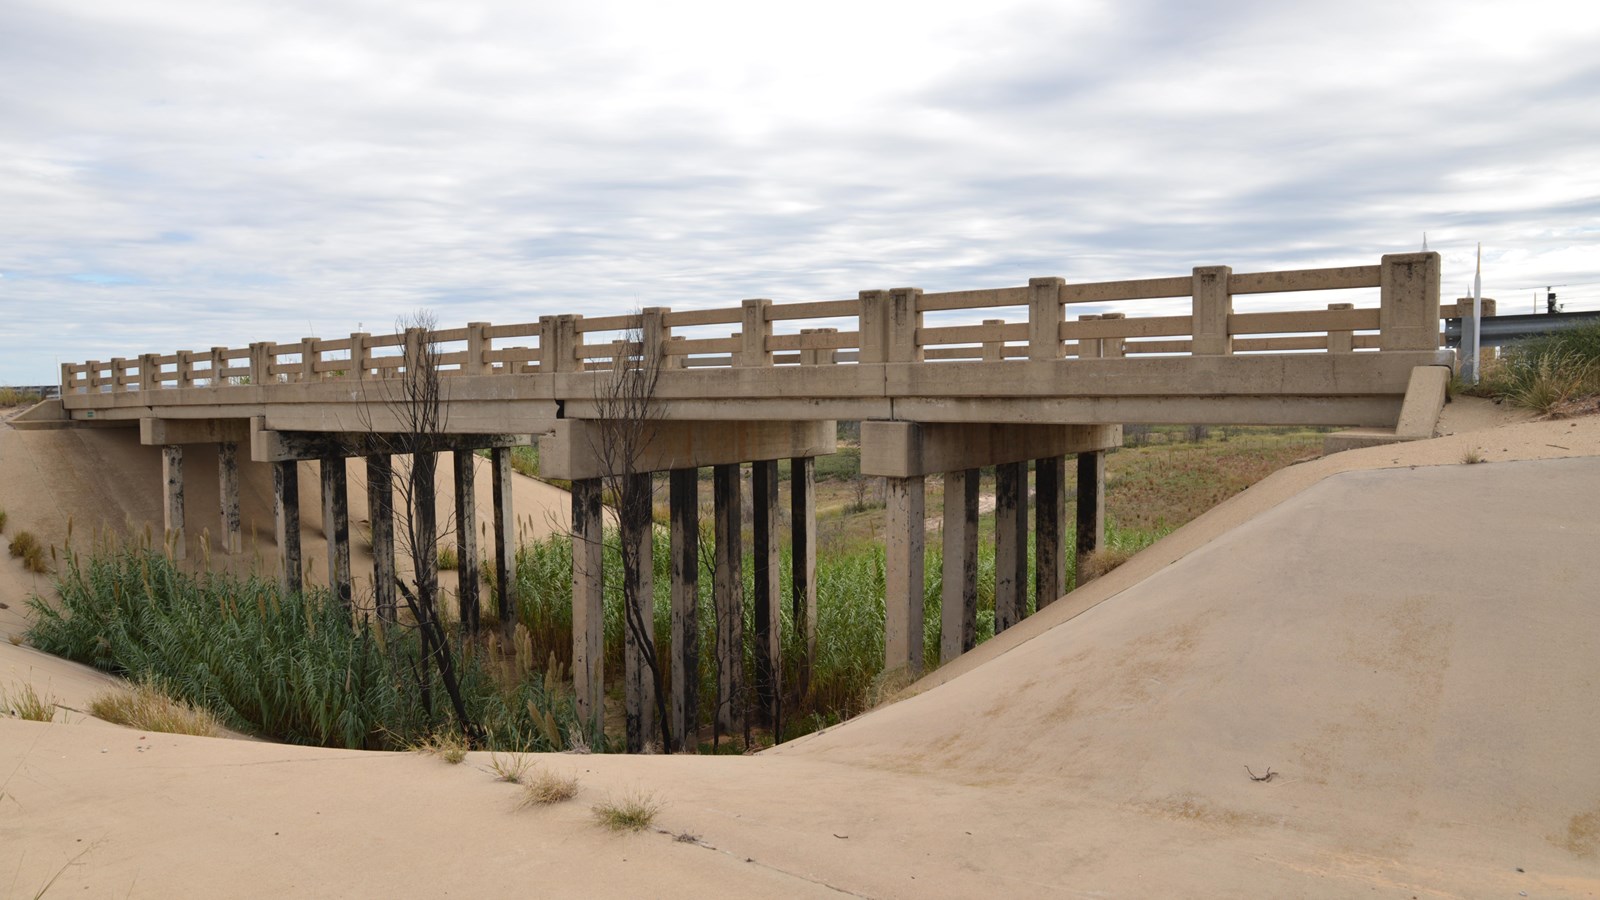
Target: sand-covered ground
{"points": [[1406, 641]]}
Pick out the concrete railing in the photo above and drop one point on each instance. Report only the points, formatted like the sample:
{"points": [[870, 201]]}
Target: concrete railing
{"points": [[1031, 322]]}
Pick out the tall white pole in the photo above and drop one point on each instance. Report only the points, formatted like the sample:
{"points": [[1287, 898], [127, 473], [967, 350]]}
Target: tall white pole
{"points": [[1477, 316]]}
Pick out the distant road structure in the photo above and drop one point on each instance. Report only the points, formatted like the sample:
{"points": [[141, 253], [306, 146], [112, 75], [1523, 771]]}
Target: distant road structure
{"points": [[1497, 331]]}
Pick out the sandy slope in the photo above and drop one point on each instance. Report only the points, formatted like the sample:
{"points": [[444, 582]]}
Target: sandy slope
{"points": [[1411, 651]]}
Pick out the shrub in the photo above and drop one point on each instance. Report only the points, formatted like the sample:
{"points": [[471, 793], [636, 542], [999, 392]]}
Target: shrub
{"points": [[2, 519]]}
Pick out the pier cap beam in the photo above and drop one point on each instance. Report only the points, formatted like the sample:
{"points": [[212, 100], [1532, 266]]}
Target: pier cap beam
{"points": [[912, 449], [570, 451]]}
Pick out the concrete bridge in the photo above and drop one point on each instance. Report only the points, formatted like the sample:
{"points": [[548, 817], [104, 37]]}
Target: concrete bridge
{"points": [[944, 383]]}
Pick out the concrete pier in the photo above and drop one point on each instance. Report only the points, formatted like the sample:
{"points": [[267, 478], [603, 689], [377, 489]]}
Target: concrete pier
{"points": [[959, 602], [803, 562], [1049, 518], [505, 540], [286, 518], [768, 616], [588, 606], [172, 507], [336, 527], [638, 626], [380, 512], [230, 533], [727, 594], [467, 572], [684, 502], [903, 574]]}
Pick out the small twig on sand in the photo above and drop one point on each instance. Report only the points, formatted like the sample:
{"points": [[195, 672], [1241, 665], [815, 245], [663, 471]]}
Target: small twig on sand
{"points": [[1266, 777]]}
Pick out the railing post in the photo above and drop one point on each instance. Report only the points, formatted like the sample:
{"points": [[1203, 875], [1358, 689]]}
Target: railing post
{"points": [[653, 336], [904, 321], [674, 360], [358, 355], [261, 362], [1044, 318], [91, 376], [308, 359], [478, 347], [1212, 305], [874, 327], [149, 372], [1090, 348], [66, 378], [994, 351], [119, 372], [558, 344], [756, 329], [415, 355], [185, 368], [1342, 341], [218, 363], [1112, 347], [1408, 312]]}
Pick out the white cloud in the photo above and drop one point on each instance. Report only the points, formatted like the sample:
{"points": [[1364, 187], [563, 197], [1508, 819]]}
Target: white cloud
{"points": [[187, 174]]}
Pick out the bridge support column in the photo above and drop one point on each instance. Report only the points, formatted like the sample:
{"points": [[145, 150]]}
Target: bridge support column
{"points": [[684, 502], [463, 462], [336, 527], [958, 629], [505, 540], [228, 496], [172, 491], [1049, 514], [588, 609], [380, 512], [1091, 530], [638, 595], [727, 596], [768, 615], [803, 561], [903, 574], [286, 516], [1010, 544]]}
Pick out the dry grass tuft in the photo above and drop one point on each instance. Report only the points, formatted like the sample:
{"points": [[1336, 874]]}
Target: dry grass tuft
{"points": [[149, 708], [634, 811], [25, 703], [1102, 561], [1471, 456], [448, 560], [10, 396], [510, 768], [448, 745], [547, 788], [27, 548]]}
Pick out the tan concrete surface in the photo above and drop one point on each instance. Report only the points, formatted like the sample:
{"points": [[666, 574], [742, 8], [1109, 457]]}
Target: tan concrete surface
{"points": [[1410, 650]]}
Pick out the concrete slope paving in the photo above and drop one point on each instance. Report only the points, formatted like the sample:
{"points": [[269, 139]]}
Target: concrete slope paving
{"points": [[1412, 654]]}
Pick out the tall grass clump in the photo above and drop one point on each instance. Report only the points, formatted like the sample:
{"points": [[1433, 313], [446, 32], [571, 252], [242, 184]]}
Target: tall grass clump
{"points": [[295, 668], [1547, 372]]}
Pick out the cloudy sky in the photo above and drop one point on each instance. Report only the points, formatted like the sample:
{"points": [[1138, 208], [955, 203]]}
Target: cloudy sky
{"points": [[187, 173]]}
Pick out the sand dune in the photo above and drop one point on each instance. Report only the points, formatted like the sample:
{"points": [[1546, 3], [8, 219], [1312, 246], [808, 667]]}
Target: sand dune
{"points": [[1409, 650]]}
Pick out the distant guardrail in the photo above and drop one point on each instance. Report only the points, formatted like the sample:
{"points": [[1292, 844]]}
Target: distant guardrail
{"points": [[1498, 331]]}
